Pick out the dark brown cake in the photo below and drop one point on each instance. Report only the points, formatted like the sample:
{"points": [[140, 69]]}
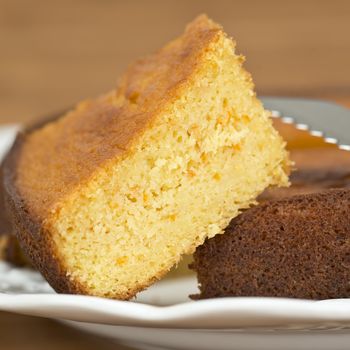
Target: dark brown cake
{"points": [[296, 247]]}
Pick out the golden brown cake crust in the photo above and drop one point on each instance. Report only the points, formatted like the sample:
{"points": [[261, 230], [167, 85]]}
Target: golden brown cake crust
{"points": [[5, 224], [10, 249], [35, 242], [66, 153], [46, 165]]}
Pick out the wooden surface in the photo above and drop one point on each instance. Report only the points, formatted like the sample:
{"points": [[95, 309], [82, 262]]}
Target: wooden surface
{"points": [[54, 53], [29, 333]]}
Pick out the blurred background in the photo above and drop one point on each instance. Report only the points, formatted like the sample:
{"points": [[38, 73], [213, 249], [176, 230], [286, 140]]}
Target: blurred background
{"points": [[54, 53]]}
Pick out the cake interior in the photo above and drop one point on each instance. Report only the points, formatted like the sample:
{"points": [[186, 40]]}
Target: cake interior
{"points": [[209, 153]]}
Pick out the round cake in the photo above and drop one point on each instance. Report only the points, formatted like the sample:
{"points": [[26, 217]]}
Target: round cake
{"points": [[296, 247]]}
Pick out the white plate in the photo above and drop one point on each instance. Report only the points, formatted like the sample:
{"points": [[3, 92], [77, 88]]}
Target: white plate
{"points": [[164, 317]]}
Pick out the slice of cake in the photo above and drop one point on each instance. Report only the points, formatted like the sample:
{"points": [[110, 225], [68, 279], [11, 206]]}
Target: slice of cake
{"points": [[297, 247], [106, 199]]}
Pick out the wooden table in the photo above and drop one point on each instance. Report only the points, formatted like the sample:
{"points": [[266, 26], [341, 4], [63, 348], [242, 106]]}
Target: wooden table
{"points": [[53, 54]]}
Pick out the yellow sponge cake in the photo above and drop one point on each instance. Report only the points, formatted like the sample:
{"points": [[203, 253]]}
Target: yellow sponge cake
{"points": [[109, 197]]}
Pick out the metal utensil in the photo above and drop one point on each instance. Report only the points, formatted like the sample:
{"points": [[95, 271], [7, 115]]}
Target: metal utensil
{"points": [[320, 118]]}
